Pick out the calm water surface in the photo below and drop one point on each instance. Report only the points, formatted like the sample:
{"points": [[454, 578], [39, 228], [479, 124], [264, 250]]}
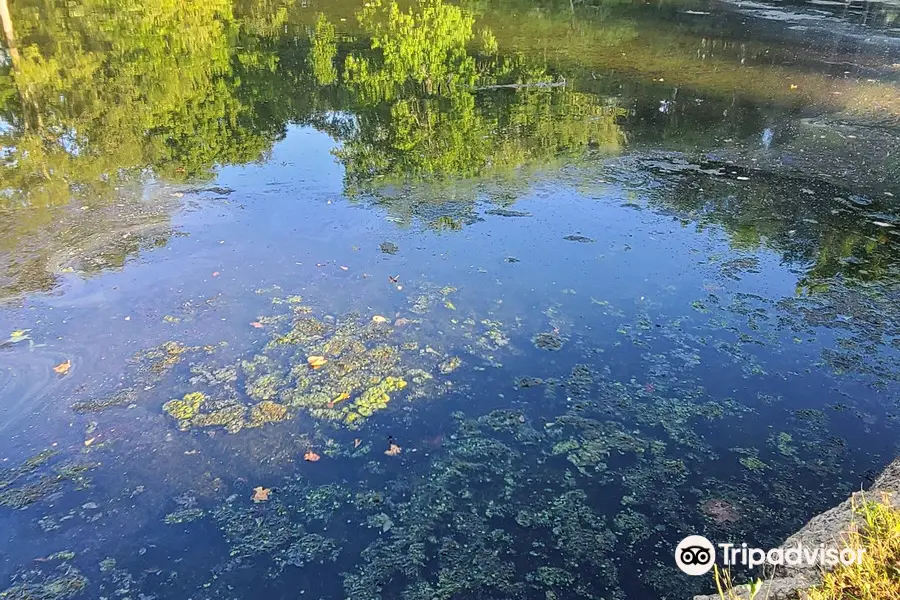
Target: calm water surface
{"points": [[478, 300]]}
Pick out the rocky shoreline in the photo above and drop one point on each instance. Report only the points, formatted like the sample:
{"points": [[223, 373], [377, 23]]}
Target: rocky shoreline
{"points": [[790, 583]]}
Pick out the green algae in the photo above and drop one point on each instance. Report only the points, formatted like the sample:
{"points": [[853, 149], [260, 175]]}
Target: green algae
{"points": [[35, 482], [547, 341], [185, 515], [124, 397], [187, 408], [10, 475], [66, 582]]}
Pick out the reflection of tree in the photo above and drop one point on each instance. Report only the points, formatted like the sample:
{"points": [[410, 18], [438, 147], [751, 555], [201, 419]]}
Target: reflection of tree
{"points": [[822, 237], [114, 86], [426, 104], [100, 91]]}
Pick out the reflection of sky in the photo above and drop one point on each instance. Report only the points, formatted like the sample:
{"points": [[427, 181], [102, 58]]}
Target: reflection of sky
{"points": [[636, 300]]}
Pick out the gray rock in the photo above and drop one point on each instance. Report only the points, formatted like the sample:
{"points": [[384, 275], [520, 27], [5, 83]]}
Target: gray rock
{"points": [[790, 583]]}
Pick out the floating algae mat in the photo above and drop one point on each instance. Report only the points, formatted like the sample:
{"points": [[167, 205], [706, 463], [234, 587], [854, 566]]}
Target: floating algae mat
{"points": [[342, 369]]}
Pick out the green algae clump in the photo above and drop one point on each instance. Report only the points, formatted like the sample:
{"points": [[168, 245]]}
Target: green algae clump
{"points": [[186, 408], [374, 398], [267, 412]]}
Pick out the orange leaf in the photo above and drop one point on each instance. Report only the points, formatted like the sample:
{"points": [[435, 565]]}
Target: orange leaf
{"points": [[316, 361], [261, 494], [63, 368], [257, 324], [311, 456], [393, 450]]}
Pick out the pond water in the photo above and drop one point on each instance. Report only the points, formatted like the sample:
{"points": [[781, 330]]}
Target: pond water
{"points": [[480, 300]]}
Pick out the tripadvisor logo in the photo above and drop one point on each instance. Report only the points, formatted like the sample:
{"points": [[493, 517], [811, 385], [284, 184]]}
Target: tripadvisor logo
{"points": [[696, 555]]}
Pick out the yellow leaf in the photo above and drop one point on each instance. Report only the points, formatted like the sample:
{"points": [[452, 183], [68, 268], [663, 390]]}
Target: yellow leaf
{"points": [[63, 368], [316, 361], [379, 319]]}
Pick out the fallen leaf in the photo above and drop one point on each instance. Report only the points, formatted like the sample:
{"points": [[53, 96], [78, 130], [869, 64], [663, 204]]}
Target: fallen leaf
{"points": [[343, 396], [316, 361], [215, 273], [311, 456], [343, 268], [89, 441], [379, 319], [257, 324], [357, 442], [793, 86], [63, 368], [449, 305], [393, 450], [261, 494]]}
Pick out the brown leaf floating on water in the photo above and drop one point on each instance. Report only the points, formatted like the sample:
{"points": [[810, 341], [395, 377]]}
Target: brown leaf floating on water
{"points": [[393, 450], [311, 456], [261, 494]]}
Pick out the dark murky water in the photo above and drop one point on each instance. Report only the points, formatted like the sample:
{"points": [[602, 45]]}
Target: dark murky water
{"points": [[479, 300]]}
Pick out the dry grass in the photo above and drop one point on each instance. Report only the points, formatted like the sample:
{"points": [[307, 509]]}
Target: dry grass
{"points": [[877, 575]]}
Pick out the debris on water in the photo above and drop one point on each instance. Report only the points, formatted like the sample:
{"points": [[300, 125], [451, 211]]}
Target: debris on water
{"points": [[578, 238], [389, 248], [63, 367], [379, 319], [511, 259], [260, 494], [316, 362], [394, 449], [310, 456]]}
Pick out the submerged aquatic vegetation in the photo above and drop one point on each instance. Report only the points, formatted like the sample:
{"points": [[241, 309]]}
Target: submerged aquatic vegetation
{"points": [[65, 581], [124, 397], [342, 370], [185, 409], [35, 482], [548, 341], [185, 515]]}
